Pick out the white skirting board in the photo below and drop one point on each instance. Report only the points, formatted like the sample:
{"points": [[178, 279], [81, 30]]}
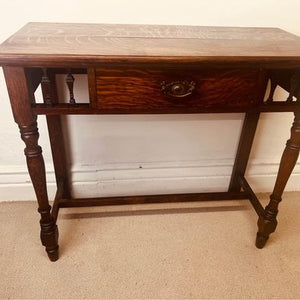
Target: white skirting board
{"points": [[150, 178]]}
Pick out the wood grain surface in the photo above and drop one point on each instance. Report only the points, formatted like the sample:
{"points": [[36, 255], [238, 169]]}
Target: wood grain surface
{"points": [[42, 43], [143, 69], [137, 89]]}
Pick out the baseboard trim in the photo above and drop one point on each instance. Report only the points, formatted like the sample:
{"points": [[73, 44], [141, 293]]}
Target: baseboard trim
{"points": [[145, 178]]}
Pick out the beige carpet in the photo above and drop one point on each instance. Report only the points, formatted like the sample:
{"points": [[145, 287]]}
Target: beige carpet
{"points": [[191, 250]]}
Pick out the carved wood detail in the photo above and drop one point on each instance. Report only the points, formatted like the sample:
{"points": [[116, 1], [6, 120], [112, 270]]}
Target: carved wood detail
{"points": [[20, 95], [70, 83], [46, 87], [36, 168], [126, 65], [267, 221]]}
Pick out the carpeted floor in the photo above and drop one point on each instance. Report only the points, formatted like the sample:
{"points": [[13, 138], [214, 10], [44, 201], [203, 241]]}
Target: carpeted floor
{"points": [[191, 250]]}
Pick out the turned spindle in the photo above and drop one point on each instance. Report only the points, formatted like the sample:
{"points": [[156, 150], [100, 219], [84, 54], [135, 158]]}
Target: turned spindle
{"points": [[267, 222], [46, 87], [272, 90], [294, 85], [70, 83]]}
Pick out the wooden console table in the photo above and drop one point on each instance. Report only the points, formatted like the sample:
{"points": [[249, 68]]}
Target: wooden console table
{"points": [[137, 69]]}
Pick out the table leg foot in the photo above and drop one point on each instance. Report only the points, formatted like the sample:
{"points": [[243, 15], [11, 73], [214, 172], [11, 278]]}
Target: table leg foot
{"points": [[49, 238], [261, 240], [267, 222], [53, 254]]}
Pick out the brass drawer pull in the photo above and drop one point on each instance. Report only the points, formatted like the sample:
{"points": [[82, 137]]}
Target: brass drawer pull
{"points": [[178, 89]]}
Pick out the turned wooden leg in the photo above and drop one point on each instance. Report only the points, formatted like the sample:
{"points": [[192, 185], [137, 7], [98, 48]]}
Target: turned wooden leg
{"points": [[36, 168], [267, 222], [20, 98]]}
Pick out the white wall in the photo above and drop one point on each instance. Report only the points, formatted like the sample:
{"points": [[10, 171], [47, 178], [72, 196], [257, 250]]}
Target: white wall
{"points": [[148, 154]]}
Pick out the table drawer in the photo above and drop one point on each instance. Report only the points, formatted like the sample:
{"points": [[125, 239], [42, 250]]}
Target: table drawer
{"points": [[177, 90]]}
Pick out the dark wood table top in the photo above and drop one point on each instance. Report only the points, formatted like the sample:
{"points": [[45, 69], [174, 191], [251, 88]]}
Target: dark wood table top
{"points": [[53, 43]]}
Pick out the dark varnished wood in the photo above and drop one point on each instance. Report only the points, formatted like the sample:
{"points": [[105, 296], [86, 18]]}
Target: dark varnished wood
{"points": [[46, 87], [58, 197], [43, 44], [244, 149], [294, 87], [61, 202], [141, 89], [251, 195], [56, 136], [150, 69], [87, 109], [70, 83], [33, 77], [267, 221], [284, 79], [20, 97], [170, 198]]}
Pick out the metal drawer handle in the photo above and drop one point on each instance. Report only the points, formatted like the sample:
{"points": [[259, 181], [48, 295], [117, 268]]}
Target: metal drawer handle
{"points": [[178, 89]]}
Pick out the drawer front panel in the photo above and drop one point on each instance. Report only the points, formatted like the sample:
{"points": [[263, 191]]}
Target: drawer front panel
{"points": [[174, 90]]}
